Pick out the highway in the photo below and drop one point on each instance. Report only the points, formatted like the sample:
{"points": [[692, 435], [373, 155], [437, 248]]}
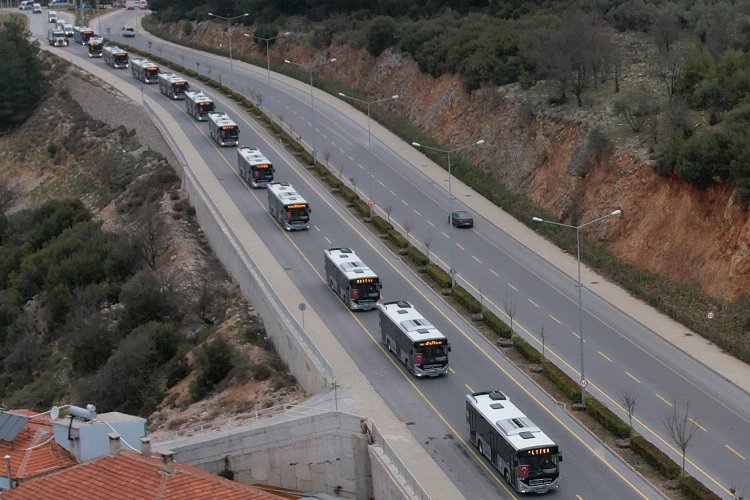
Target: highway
{"points": [[487, 259]]}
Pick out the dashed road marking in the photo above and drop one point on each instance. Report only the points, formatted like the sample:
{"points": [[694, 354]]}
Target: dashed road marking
{"points": [[632, 376], [667, 402]]}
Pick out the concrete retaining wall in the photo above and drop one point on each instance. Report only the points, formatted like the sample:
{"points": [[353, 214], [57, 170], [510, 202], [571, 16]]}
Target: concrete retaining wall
{"points": [[321, 453]]}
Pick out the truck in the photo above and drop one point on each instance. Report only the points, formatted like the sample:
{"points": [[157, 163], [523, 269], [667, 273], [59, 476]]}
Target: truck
{"points": [[56, 38]]}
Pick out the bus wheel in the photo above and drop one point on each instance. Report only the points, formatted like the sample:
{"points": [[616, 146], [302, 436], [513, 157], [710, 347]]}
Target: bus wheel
{"points": [[507, 477], [479, 447]]}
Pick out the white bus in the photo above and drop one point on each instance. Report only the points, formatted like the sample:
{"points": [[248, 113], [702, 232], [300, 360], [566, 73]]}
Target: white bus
{"points": [[223, 130], [525, 456], [81, 34], [144, 70], [115, 57], [350, 278], [254, 167], [415, 342], [173, 86], [198, 105], [288, 207]]}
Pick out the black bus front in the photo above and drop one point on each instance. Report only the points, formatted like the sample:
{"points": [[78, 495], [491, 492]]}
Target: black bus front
{"points": [[364, 293], [296, 216], [538, 470], [262, 175], [430, 358]]}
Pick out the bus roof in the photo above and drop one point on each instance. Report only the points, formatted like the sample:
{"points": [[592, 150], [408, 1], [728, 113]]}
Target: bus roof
{"points": [[252, 156], [197, 96], [286, 193], [221, 119], [348, 262], [114, 49], [144, 63], [410, 321], [508, 420], [171, 77]]}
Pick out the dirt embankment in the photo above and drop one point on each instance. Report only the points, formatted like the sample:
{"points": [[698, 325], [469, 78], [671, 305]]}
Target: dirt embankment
{"points": [[667, 226]]}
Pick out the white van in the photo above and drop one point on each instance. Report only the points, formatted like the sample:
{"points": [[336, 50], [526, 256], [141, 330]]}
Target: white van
{"points": [[52, 16], [24, 5], [37, 8]]}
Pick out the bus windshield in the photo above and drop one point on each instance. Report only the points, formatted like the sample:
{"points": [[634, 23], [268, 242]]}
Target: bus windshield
{"points": [[229, 133], [151, 72], [206, 107], [180, 88], [539, 465], [264, 173], [436, 354], [298, 213], [121, 58], [365, 291]]}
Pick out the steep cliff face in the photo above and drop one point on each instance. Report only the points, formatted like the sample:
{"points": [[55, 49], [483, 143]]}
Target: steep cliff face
{"points": [[667, 226]]}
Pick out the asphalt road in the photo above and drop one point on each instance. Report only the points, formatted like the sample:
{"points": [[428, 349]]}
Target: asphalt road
{"points": [[487, 259]]}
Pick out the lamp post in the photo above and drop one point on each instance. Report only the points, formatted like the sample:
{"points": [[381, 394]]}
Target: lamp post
{"points": [[268, 56], [229, 32], [310, 68], [583, 381], [452, 271], [369, 141]]}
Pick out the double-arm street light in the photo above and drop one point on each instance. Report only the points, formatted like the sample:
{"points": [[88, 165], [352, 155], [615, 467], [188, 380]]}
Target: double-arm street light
{"points": [[583, 381], [450, 196], [229, 32], [268, 57], [310, 68], [369, 141]]}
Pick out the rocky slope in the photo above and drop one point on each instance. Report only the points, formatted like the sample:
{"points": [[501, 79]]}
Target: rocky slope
{"points": [[668, 227]]}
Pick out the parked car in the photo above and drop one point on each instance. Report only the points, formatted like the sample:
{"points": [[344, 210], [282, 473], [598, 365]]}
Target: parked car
{"points": [[24, 5], [36, 8], [128, 31], [461, 218]]}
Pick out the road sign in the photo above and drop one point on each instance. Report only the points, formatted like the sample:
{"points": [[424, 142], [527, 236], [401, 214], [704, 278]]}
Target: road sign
{"points": [[710, 315], [583, 383]]}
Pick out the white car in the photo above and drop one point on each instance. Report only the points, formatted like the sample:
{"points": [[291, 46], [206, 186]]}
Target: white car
{"points": [[128, 31], [52, 16], [24, 5], [37, 8]]}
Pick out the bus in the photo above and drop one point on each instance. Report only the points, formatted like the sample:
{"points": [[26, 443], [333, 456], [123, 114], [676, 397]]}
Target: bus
{"points": [[524, 455], [115, 57], [144, 70], [173, 86], [349, 278], [288, 207], [82, 34], [254, 167], [95, 47], [414, 341], [198, 105], [223, 130]]}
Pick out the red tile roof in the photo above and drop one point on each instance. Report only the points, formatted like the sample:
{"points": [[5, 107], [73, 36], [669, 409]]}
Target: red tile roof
{"points": [[130, 475], [34, 451]]}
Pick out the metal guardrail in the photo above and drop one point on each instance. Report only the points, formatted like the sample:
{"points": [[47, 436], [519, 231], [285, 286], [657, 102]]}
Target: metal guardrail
{"points": [[402, 470]]}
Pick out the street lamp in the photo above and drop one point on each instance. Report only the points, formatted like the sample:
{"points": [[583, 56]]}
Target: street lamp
{"points": [[369, 141], [452, 271], [617, 212], [229, 32], [268, 56], [310, 68]]}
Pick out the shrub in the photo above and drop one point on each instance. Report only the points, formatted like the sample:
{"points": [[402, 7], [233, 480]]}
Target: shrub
{"points": [[58, 305], [607, 418], [467, 300], [348, 194], [655, 457], [362, 207], [525, 349], [381, 223], [416, 256], [565, 384], [694, 489], [442, 278], [496, 324], [399, 240], [381, 34], [213, 362]]}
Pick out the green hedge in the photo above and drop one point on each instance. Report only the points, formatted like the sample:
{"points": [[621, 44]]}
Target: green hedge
{"points": [[361, 207], [607, 418], [348, 194], [496, 324], [655, 457], [381, 223], [399, 240], [416, 256], [442, 278], [466, 299], [567, 385], [525, 349], [692, 488]]}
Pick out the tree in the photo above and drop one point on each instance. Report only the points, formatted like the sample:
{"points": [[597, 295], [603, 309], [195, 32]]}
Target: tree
{"points": [[636, 107], [681, 428], [23, 80], [148, 235], [629, 401], [665, 28], [509, 305], [381, 34], [669, 70], [9, 194]]}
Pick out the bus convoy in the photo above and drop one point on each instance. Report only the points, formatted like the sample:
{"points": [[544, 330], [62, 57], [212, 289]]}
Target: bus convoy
{"points": [[522, 453], [144, 70], [288, 207], [349, 278], [173, 86], [254, 167], [525, 456]]}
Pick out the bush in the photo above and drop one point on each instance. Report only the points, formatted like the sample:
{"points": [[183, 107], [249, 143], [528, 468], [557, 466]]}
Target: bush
{"points": [[565, 384], [442, 278], [655, 457], [467, 300], [496, 324], [381, 34], [399, 240], [362, 207], [213, 362], [381, 223], [525, 349], [607, 418], [694, 489], [348, 194], [416, 256]]}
